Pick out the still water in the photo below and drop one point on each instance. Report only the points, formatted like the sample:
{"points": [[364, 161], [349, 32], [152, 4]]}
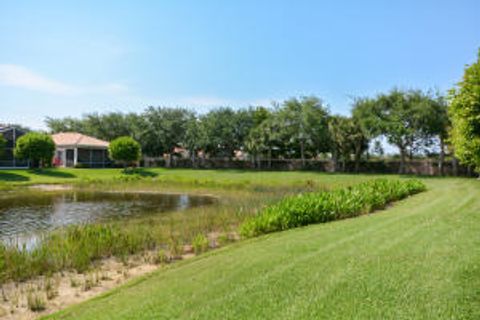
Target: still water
{"points": [[24, 216]]}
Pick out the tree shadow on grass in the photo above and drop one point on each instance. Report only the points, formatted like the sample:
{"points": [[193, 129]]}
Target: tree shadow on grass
{"points": [[140, 172], [54, 173], [8, 176]]}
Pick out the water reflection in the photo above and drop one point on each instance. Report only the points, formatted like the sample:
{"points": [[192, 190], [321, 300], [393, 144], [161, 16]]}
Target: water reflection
{"points": [[25, 215]]}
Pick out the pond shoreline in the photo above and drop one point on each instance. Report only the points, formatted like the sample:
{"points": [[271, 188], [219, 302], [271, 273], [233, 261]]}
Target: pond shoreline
{"points": [[69, 187], [66, 288]]}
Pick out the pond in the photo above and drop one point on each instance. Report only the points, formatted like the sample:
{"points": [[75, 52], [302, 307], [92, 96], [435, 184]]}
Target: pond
{"points": [[24, 216]]}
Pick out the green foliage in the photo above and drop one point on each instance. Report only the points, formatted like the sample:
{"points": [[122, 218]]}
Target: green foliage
{"points": [[226, 130], [304, 126], [464, 111], [195, 137], [3, 144], [36, 147], [347, 137], [106, 126], [320, 207], [200, 243], [125, 150], [164, 129], [406, 118], [296, 128]]}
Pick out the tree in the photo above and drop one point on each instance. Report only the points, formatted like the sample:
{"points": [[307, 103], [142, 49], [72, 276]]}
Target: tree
{"points": [[347, 138], [304, 126], [65, 125], [464, 112], [194, 138], [434, 124], [226, 130], [103, 126], [37, 147], [266, 137], [125, 150], [164, 129], [340, 145], [358, 139], [397, 115], [257, 140]]}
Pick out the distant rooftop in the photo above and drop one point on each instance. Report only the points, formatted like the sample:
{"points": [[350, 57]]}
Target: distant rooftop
{"points": [[75, 139]]}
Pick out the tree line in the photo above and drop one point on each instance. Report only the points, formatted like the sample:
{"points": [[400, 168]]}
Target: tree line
{"points": [[299, 128], [303, 128]]}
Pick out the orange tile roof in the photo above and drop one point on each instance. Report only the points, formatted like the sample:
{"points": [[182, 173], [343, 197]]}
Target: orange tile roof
{"points": [[78, 140]]}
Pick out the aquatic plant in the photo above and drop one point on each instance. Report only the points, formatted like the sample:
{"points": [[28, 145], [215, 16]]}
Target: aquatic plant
{"points": [[317, 207]]}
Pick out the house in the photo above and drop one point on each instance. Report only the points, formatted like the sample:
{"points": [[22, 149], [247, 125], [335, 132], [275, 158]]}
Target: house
{"points": [[74, 149], [7, 156]]}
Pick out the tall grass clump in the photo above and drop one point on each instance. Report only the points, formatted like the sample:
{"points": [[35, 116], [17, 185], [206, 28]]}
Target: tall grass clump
{"points": [[318, 207]]}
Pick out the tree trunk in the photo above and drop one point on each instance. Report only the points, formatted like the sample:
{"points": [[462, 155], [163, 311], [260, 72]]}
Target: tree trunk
{"points": [[358, 154], [270, 157], [302, 153], [357, 161], [334, 161], [403, 157], [344, 164], [441, 159], [455, 166], [193, 158]]}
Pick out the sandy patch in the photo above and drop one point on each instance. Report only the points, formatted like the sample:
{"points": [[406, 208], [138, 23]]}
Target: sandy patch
{"points": [[51, 187]]}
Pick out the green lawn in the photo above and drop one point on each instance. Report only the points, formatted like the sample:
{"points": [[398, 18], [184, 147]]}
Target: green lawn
{"points": [[419, 259], [208, 178]]}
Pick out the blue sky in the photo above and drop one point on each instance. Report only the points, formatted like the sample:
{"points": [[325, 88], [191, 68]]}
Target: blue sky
{"points": [[66, 58]]}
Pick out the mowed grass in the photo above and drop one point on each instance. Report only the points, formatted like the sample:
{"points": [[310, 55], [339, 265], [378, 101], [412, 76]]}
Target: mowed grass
{"points": [[187, 177], [420, 259]]}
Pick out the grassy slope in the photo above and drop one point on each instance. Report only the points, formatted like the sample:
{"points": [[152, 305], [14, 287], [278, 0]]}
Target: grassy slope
{"points": [[417, 260]]}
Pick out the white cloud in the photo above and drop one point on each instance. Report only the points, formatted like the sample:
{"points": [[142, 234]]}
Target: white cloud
{"points": [[22, 77]]}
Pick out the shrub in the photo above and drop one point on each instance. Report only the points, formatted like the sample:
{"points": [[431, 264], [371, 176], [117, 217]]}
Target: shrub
{"points": [[125, 150], [320, 207], [36, 147]]}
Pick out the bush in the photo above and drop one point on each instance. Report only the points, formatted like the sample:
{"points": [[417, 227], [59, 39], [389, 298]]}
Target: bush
{"points": [[36, 147], [320, 207], [125, 150]]}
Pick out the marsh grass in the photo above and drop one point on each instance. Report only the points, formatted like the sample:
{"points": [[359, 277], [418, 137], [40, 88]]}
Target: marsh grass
{"points": [[51, 287], [240, 195], [161, 257], [36, 301], [200, 243]]}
